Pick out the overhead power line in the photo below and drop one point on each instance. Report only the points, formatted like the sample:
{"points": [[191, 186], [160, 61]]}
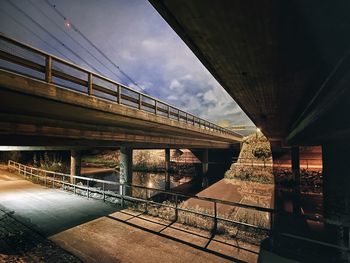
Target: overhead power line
{"points": [[70, 37], [34, 33], [50, 34], [92, 44]]}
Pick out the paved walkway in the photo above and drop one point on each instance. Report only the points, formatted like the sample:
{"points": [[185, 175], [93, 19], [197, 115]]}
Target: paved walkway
{"points": [[97, 232]]}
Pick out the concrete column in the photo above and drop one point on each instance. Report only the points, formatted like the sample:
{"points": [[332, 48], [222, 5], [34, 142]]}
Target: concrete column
{"points": [[336, 189], [75, 164], [125, 169], [296, 178], [205, 166], [167, 167]]}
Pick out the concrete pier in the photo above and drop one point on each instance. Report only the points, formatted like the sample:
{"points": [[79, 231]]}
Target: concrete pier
{"points": [[336, 194], [295, 156], [75, 164], [167, 168], [205, 167], [125, 169]]}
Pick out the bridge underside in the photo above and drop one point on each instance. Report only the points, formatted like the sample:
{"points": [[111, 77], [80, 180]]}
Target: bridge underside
{"points": [[285, 62], [33, 112]]}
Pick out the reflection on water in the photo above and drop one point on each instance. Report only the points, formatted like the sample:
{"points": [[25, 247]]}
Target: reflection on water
{"points": [[150, 180]]}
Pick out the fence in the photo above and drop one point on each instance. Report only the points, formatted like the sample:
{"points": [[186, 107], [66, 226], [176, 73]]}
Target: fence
{"points": [[68, 182], [31, 62], [279, 163], [63, 181]]}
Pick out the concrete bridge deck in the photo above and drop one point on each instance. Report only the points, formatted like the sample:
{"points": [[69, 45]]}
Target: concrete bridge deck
{"points": [[53, 102]]}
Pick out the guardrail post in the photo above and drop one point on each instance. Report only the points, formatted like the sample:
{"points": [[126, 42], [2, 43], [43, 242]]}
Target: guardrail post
{"points": [[140, 103], [88, 194], [176, 210], [146, 206], [90, 84], [104, 194], [48, 69], [63, 184], [168, 112], [155, 107], [119, 98], [122, 188], [178, 115], [215, 218]]}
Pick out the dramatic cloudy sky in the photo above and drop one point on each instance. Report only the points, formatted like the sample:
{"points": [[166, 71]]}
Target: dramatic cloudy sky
{"points": [[136, 38]]}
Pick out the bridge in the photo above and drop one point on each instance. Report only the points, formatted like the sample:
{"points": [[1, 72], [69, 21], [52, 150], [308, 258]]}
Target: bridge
{"points": [[48, 101], [286, 63]]}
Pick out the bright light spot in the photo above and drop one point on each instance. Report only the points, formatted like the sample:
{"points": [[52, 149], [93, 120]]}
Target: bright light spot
{"points": [[67, 24], [258, 130], [150, 185]]}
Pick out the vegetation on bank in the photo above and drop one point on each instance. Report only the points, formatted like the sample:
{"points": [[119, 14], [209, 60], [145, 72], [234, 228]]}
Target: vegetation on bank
{"points": [[233, 230], [254, 162], [50, 162]]}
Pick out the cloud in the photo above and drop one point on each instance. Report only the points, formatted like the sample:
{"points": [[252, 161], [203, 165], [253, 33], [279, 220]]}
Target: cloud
{"points": [[135, 37]]}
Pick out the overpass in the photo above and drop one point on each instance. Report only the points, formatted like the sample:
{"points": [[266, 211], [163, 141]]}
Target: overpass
{"points": [[48, 101], [286, 63]]}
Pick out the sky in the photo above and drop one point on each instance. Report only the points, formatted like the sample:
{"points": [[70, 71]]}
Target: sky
{"points": [[136, 38]]}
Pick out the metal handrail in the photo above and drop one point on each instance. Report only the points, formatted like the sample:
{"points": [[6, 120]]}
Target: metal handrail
{"points": [[169, 112], [60, 179], [27, 170]]}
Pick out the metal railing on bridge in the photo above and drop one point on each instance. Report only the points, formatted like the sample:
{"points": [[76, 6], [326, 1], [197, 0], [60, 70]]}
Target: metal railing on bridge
{"points": [[31, 62]]}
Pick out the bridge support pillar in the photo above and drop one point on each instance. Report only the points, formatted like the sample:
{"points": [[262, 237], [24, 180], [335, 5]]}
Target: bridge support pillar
{"points": [[75, 164], [125, 169], [205, 167], [336, 191], [296, 178], [167, 168]]}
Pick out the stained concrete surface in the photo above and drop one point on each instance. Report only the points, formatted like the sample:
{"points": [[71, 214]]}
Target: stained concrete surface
{"points": [[97, 232], [133, 237], [48, 210]]}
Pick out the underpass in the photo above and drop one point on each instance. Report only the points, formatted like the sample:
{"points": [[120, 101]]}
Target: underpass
{"points": [[94, 230]]}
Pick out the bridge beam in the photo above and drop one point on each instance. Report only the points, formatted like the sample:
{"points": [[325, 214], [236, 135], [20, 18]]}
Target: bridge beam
{"points": [[125, 169], [296, 178], [167, 168], [75, 164]]}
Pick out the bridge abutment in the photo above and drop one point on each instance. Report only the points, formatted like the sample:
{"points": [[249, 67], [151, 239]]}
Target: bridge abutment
{"points": [[125, 169], [75, 164]]}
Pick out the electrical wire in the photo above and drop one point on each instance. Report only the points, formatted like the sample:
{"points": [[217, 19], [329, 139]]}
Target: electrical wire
{"points": [[92, 44], [35, 34], [74, 40], [42, 28]]}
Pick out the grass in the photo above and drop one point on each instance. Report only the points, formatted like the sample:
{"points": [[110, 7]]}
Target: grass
{"points": [[258, 174], [100, 161], [233, 230]]}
